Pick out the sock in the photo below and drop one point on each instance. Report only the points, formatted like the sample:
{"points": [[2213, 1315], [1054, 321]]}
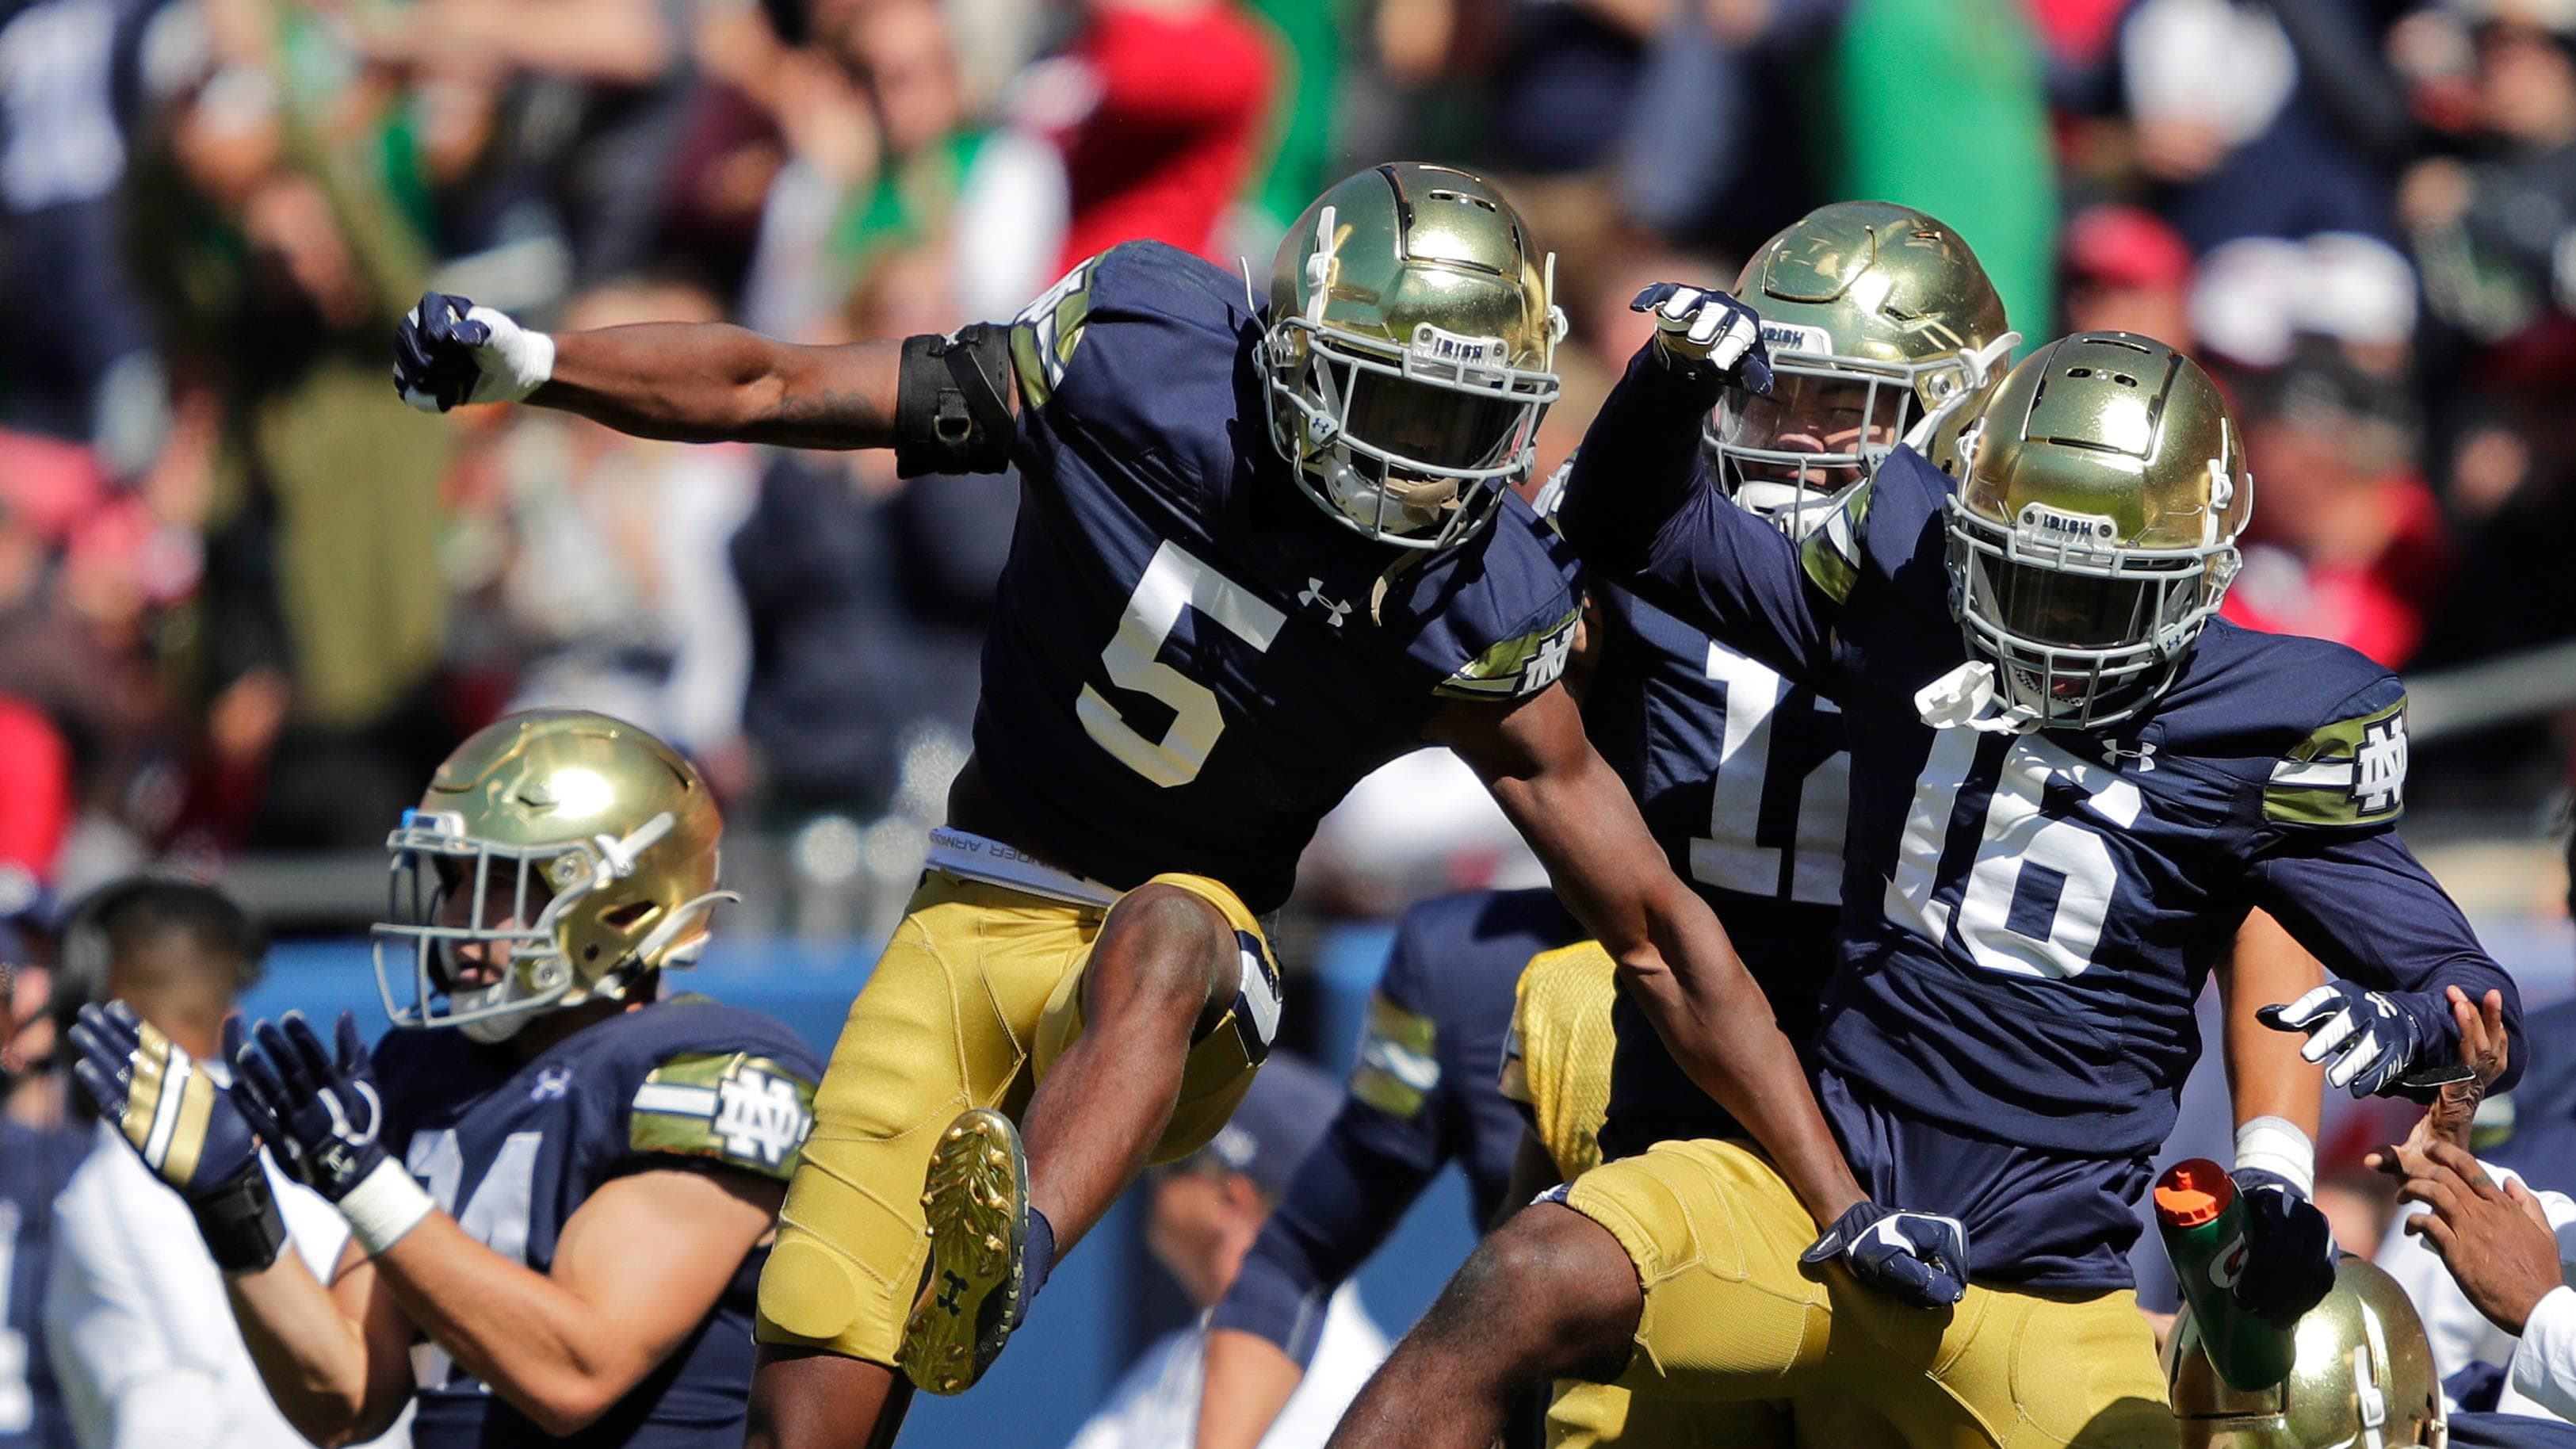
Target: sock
{"points": [[1037, 1259]]}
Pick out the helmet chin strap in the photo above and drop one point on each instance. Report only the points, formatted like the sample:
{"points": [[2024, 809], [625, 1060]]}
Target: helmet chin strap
{"points": [[1966, 697]]}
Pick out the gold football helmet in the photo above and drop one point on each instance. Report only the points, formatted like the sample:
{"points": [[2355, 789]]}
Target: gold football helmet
{"points": [[1882, 328], [558, 857], [2094, 529], [1410, 352], [2364, 1376]]}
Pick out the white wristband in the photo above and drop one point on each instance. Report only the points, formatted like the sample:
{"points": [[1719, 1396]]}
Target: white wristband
{"points": [[2276, 1145], [516, 362], [384, 1205]]}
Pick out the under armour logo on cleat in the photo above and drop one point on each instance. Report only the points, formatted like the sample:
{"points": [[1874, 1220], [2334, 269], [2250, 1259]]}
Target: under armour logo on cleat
{"points": [[1313, 594], [950, 1301]]}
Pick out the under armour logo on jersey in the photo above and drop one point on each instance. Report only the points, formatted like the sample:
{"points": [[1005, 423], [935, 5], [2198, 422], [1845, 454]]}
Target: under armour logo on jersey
{"points": [[551, 1083], [1313, 594], [760, 1117], [2379, 767]]}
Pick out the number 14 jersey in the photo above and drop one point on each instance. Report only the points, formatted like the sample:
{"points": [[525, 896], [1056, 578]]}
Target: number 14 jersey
{"points": [[2027, 920]]}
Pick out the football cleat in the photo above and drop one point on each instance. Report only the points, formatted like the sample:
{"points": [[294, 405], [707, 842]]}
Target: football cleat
{"points": [[976, 1200]]}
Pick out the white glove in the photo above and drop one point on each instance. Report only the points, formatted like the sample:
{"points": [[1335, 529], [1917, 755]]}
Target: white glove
{"points": [[1698, 328]]}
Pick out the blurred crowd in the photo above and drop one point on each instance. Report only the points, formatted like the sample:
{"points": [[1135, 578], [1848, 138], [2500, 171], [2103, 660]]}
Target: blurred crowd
{"points": [[249, 599]]}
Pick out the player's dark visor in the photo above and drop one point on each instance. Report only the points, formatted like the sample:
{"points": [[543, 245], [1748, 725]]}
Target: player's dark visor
{"points": [[1442, 427], [2072, 611]]}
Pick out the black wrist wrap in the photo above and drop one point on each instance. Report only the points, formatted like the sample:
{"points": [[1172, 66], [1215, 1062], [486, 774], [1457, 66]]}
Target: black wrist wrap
{"points": [[241, 1224], [952, 410]]}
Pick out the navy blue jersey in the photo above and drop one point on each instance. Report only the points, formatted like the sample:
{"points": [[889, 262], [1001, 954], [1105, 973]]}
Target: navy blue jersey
{"points": [[512, 1150], [1188, 662], [1743, 781], [2511, 1431], [35, 1163], [1423, 1095], [2026, 920]]}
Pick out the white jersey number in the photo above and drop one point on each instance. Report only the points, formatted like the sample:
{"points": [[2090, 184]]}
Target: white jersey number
{"points": [[495, 1216], [1174, 581], [1735, 854], [2039, 889]]}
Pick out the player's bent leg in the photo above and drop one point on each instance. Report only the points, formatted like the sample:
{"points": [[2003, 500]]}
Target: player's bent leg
{"points": [[2046, 1369], [1550, 1294], [809, 1399], [1144, 1033], [945, 1024]]}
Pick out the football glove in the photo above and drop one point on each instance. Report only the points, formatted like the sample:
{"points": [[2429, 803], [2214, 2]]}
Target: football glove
{"points": [[2289, 1249], [1919, 1257], [1700, 330], [185, 1126], [326, 1120], [2377, 1043], [449, 352]]}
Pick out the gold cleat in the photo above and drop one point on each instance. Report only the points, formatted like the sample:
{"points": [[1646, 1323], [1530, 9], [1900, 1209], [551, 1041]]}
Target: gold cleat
{"points": [[976, 1200]]}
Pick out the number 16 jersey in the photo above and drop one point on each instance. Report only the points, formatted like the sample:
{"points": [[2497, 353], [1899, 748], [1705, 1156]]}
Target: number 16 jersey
{"points": [[2028, 919]]}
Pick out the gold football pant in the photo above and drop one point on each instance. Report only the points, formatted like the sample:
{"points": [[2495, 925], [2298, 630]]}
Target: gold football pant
{"points": [[1715, 1236], [975, 997]]}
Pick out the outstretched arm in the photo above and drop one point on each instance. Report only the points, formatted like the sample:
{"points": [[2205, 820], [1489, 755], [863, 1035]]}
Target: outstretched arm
{"points": [[706, 382], [1671, 952]]}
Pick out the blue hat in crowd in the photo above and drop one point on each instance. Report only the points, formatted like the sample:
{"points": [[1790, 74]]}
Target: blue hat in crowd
{"points": [[1278, 1122]]}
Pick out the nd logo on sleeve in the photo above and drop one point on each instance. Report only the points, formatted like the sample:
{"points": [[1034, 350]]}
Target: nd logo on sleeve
{"points": [[2379, 767], [746, 1110]]}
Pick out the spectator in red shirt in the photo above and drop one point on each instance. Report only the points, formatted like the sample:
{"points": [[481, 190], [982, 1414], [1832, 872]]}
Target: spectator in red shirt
{"points": [[1162, 108]]}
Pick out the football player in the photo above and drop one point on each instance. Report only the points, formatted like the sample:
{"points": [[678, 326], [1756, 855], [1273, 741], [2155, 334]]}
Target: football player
{"points": [[1260, 550], [557, 1182], [2069, 786]]}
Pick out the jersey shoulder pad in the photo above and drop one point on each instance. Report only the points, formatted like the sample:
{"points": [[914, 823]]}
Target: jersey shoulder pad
{"points": [[1399, 1063], [719, 1083], [1134, 310], [1504, 611], [2347, 770]]}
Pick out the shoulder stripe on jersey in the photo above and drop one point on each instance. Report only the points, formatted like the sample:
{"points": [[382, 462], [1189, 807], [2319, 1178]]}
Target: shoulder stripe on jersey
{"points": [[1047, 330], [1831, 554], [743, 1110], [2348, 772], [1518, 666], [1398, 1066]]}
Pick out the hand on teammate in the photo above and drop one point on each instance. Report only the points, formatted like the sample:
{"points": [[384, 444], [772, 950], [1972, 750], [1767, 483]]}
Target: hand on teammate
{"points": [[1696, 328], [1919, 1257], [2376, 1043], [449, 352]]}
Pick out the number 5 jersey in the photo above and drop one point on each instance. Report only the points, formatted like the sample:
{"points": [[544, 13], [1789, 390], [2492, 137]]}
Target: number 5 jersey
{"points": [[1189, 663], [2027, 919]]}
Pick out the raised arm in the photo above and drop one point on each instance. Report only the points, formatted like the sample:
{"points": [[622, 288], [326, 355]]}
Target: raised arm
{"points": [[1669, 948], [947, 403]]}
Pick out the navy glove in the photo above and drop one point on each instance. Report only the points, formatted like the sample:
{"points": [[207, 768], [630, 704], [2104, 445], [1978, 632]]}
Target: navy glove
{"points": [[1919, 1257], [186, 1127], [449, 352], [2377, 1043], [1701, 330], [2289, 1249], [323, 1115]]}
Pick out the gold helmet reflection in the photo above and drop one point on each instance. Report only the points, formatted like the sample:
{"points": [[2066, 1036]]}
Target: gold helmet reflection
{"points": [[582, 852], [2093, 533], [1880, 322], [1411, 352], [2364, 1375]]}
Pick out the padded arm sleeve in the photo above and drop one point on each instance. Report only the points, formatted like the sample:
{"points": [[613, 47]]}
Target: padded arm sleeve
{"points": [[1640, 509]]}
